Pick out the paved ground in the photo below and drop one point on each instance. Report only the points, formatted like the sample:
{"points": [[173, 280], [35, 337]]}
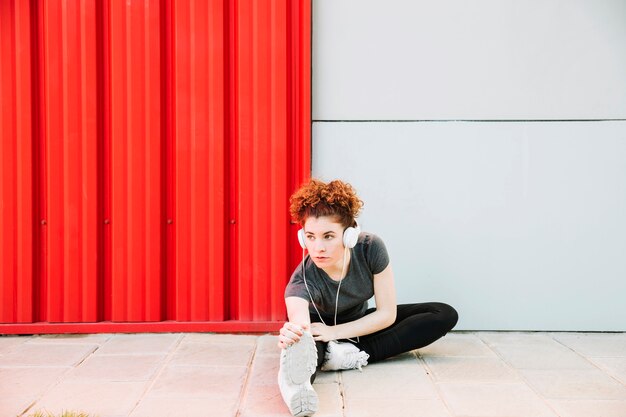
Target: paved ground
{"points": [[478, 374]]}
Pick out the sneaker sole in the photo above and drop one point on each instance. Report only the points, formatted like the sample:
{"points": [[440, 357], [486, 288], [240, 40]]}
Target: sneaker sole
{"points": [[302, 352], [305, 402]]}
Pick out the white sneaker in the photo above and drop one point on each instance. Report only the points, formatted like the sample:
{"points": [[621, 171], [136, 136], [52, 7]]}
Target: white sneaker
{"points": [[297, 364], [342, 355]]}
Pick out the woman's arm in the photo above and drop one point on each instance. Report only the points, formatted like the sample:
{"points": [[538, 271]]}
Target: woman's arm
{"points": [[384, 316], [298, 311], [299, 320]]}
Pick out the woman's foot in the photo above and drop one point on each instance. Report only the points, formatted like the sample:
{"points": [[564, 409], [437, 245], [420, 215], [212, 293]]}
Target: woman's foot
{"points": [[343, 356], [297, 364]]}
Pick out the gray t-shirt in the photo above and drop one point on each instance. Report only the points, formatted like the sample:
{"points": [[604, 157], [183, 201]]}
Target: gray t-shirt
{"points": [[368, 257]]}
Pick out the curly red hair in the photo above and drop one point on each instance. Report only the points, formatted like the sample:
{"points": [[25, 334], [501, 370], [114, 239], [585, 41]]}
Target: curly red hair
{"points": [[317, 198]]}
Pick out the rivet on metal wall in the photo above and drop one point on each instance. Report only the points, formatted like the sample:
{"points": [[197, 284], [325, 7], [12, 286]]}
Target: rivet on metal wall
{"points": [[107, 221], [43, 222], [170, 221], [233, 221]]}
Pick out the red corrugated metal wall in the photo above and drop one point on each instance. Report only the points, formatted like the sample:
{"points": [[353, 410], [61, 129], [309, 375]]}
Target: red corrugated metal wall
{"points": [[148, 150]]}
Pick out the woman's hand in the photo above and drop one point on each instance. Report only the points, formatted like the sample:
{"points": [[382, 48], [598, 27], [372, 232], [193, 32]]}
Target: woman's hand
{"points": [[289, 334], [322, 332]]}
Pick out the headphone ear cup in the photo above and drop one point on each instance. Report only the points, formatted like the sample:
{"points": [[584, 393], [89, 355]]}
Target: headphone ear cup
{"points": [[301, 238], [351, 236]]}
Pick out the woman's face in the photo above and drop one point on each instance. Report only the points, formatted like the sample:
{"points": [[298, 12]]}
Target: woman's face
{"points": [[324, 241]]}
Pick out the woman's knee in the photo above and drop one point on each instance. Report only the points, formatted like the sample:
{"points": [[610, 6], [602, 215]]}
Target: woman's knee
{"points": [[448, 315]]}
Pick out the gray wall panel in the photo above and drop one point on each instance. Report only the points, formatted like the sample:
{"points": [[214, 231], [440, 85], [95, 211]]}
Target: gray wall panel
{"points": [[518, 225], [476, 60]]}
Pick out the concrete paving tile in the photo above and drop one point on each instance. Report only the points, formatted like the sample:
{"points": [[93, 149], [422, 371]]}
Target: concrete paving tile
{"points": [[187, 407], [264, 371], [406, 358], [219, 338], [267, 346], [331, 402], [541, 356], [64, 339], [478, 369], [14, 406], [595, 344], [102, 398], [327, 377], [118, 367], [401, 381], [615, 367], [358, 407], [460, 363], [493, 400], [46, 355], [266, 401], [575, 384], [589, 408], [215, 354], [9, 343], [125, 344], [515, 338], [28, 381], [219, 382], [457, 345]]}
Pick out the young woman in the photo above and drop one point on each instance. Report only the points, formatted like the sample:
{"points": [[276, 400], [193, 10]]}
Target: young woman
{"points": [[327, 295]]}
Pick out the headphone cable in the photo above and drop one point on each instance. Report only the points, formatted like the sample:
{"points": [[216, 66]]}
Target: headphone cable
{"points": [[343, 268]]}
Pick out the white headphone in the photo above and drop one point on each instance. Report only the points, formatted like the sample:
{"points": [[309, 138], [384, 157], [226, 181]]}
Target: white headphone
{"points": [[350, 236]]}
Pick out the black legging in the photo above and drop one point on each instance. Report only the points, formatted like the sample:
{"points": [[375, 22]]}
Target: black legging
{"points": [[416, 326]]}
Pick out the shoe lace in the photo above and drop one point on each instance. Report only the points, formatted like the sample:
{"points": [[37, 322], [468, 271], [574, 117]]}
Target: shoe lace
{"points": [[355, 360]]}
